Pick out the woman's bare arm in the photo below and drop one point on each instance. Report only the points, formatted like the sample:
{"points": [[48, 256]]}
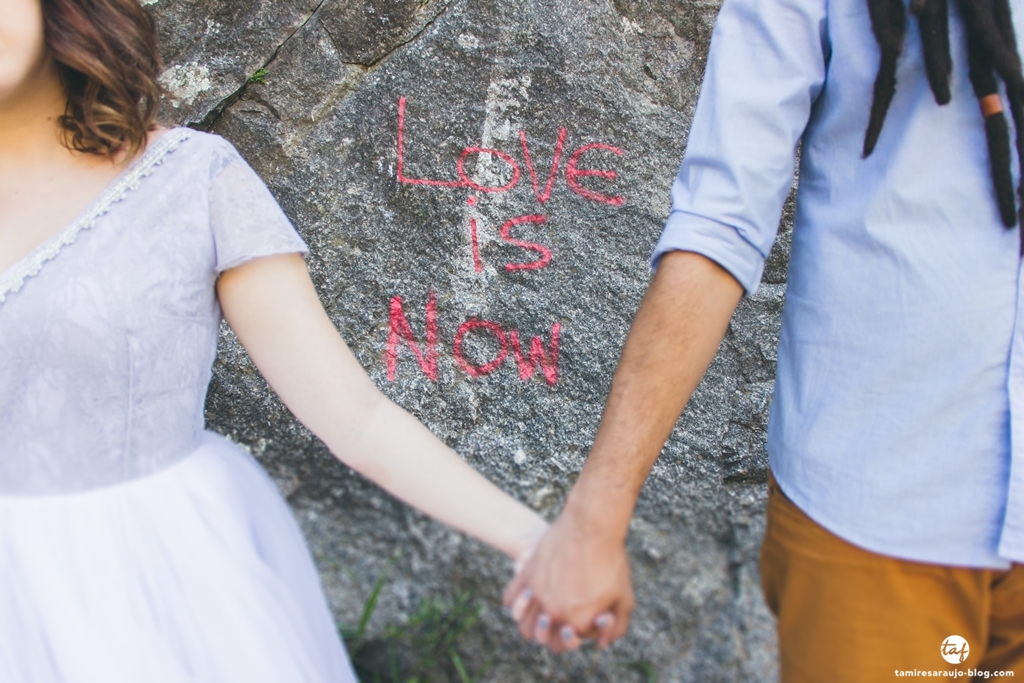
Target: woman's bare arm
{"points": [[272, 306]]}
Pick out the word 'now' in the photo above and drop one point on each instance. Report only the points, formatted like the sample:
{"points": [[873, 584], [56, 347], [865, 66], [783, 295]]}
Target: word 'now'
{"points": [[528, 363]]}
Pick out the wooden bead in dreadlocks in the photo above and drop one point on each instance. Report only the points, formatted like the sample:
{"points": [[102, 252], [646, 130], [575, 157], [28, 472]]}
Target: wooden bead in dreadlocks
{"points": [[1004, 22], [983, 80], [992, 50]]}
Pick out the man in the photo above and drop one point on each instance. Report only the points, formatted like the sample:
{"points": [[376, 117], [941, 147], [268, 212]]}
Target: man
{"points": [[896, 439]]}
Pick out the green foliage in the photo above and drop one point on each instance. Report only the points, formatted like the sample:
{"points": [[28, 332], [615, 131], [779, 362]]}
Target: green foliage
{"points": [[356, 635], [464, 676], [259, 76], [644, 669], [425, 648]]}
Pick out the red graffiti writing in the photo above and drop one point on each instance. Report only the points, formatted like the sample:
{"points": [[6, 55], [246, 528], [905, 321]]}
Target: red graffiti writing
{"points": [[572, 172], [400, 329], [401, 156], [546, 359], [477, 264], [538, 356], [543, 196], [460, 167], [489, 367], [506, 234]]}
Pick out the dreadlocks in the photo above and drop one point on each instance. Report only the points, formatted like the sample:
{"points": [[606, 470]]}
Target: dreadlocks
{"points": [[991, 49]]}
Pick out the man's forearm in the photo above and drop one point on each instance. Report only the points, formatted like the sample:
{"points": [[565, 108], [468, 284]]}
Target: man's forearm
{"points": [[675, 335]]}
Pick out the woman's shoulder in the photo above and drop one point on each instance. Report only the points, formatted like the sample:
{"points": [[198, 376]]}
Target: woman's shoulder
{"points": [[191, 153], [198, 145]]}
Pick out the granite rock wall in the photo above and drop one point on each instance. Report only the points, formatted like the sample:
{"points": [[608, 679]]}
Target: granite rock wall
{"points": [[315, 94]]}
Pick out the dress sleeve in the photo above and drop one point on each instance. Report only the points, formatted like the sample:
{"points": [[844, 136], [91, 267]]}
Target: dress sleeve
{"points": [[245, 218], [766, 65]]}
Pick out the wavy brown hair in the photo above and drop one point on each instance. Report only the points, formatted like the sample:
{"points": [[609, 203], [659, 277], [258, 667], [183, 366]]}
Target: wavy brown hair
{"points": [[108, 61]]}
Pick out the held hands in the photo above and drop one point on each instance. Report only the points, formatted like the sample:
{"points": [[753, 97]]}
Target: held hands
{"points": [[578, 576], [575, 584]]}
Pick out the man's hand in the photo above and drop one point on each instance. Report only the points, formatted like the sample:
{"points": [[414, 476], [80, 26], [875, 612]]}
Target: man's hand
{"points": [[577, 580], [579, 574]]}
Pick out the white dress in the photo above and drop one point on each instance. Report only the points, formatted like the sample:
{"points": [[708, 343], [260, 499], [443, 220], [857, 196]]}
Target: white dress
{"points": [[136, 547]]}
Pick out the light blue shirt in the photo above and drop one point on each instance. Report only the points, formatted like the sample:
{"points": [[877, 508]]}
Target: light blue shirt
{"points": [[898, 416]]}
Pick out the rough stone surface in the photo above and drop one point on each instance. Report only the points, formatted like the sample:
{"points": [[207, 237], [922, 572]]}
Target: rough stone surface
{"points": [[320, 124]]}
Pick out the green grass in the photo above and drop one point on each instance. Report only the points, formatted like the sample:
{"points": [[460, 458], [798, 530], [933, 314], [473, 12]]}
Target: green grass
{"points": [[644, 669], [425, 648], [259, 76]]}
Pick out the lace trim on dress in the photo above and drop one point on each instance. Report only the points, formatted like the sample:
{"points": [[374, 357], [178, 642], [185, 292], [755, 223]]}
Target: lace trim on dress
{"points": [[13, 280]]}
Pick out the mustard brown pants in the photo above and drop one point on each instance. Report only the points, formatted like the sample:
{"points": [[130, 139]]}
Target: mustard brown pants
{"points": [[847, 615]]}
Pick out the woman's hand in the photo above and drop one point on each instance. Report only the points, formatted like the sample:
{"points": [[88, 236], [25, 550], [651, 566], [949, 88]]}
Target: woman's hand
{"points": [[576, 584]]}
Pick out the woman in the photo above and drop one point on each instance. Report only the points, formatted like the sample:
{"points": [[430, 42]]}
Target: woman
{"points": [[134, 545]]}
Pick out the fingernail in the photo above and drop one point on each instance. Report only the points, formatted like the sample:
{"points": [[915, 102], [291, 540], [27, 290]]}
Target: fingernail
{"points": [[603, 621], [520, 604], [567, 634], [543, 622]]}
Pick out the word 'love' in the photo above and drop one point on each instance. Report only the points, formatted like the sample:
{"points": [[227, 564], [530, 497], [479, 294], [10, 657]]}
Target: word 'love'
{"points": [[572, 170]]}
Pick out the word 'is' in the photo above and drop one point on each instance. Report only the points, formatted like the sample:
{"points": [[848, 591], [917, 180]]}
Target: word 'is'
{"points": [[528, 361]]}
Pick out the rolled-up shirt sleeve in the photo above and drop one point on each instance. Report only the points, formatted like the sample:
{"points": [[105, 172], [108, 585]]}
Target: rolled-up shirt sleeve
{"points": [[766, 65]]}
